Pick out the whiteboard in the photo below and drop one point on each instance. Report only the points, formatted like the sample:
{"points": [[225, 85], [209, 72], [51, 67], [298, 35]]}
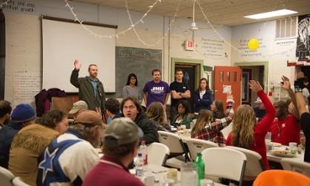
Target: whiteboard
{"points": [[63, 42]]}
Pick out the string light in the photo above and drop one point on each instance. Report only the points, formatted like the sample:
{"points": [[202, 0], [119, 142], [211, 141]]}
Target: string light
{"points": [[165, 33], [4, 3], [133, 25]]}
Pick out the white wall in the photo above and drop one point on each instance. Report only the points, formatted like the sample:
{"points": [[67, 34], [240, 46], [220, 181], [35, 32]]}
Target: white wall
{"points": [[271, 50]]}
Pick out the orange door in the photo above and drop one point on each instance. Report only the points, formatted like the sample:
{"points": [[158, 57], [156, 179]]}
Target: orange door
{"points": [[227, 78]]}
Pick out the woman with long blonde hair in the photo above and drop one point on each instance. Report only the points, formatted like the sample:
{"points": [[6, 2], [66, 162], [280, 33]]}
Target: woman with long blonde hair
{"points": [[247, 132]]}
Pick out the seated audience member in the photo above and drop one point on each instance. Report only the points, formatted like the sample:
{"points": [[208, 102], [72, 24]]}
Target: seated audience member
{"points": [[58, 120], [208, 129], [76, 109], [120, 146], [69, 157], [5, 112], [217, 109], [259, 109], [304, 120], [182, 117], [247, 132], [31, 141], [112, 106], [287, 128], [132, 109], [156, 113], [22, 115]]}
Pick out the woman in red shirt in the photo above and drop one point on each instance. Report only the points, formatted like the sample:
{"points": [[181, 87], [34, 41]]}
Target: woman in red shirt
{"points": [[247, 132]]}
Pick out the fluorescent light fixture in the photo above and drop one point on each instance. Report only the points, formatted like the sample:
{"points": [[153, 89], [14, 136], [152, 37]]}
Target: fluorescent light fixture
{"points": [[275, 13]]}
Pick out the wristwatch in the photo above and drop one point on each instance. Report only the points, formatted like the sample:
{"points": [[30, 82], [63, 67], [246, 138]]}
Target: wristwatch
{"points": [[298, 89]]}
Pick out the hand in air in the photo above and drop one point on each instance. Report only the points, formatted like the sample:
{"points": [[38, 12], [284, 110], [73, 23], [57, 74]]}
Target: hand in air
{"points": [[286, 83], [255, 86], [77, 64]]}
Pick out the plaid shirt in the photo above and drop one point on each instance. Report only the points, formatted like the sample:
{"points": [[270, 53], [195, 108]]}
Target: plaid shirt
{"points": [[212, 131]]}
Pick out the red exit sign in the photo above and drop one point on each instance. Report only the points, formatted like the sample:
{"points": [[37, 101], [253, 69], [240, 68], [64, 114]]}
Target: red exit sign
{"points": [[189, 45]]}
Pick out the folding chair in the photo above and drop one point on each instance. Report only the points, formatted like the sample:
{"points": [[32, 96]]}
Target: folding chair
{"points": [[157, 154], [224, 163], [198, 145], [17, 181], [6, 177], [254, 164], [296, 166], [176, 147]]}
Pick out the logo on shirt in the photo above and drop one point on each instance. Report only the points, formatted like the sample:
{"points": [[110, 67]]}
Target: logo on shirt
{"points": [[157, 90]]}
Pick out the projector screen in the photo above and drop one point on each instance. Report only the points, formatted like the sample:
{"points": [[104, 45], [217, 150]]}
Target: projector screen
{"points": [[63, 42]]}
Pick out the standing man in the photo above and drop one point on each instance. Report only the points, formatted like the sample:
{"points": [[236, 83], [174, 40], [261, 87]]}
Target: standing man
{"points": [[179, 91], [90, 87], [156, 90]]}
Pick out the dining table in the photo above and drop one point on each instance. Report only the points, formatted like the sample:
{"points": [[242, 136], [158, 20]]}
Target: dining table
{"points": [[277, 157], [160, 176]]}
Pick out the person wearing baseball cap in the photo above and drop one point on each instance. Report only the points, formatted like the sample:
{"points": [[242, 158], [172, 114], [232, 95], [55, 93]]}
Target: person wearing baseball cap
{"points": [[22, 115], [120, 145], [68, 158], [77, 107]]}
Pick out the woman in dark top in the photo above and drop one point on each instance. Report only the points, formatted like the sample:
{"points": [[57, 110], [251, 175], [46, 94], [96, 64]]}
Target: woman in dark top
{"points": [[203, 96]]}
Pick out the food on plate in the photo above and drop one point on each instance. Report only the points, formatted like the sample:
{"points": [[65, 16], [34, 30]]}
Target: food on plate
{"points": [[276, 144]]}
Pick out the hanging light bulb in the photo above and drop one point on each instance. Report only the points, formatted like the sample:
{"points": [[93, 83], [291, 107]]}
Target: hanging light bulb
{"points": [[193, 25]]}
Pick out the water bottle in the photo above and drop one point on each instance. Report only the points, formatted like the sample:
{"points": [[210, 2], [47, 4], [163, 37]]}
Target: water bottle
{"points": [[143, 151], [200, 166], [268, 141], [139, 165]]}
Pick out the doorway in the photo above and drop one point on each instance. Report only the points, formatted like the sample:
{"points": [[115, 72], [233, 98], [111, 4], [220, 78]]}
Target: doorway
{"points": [[256, 71], [192, 70]]}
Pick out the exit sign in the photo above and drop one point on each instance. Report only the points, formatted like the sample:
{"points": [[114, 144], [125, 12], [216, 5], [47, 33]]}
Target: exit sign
{"points": [[189, 45]]}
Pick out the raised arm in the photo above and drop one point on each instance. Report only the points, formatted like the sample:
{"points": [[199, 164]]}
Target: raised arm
{"points": [[266, 121], [301, 103], [287, 86], [74, 78]]}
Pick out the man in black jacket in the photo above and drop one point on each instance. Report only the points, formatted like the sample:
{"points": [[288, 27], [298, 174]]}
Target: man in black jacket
{"points": [[90, 87], [132, 109]]}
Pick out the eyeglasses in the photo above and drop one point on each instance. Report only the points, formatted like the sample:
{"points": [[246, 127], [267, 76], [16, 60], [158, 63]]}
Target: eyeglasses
{"points": [[131, 107]]}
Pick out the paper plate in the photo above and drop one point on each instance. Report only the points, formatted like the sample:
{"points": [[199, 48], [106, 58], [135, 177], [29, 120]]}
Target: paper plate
{"points": [[282, 153], [276, 144]]}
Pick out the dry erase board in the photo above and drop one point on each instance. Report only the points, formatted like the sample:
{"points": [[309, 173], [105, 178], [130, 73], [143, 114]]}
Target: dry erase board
{"points": [[135, 60]]}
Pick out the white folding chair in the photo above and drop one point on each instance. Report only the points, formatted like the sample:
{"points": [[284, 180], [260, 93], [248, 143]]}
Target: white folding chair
{"points": [[224, 163], [296, 166], [176, 147], [17, 181], [6, 177], [157, 154], [198, 145], [254, 165], [173, 142]]}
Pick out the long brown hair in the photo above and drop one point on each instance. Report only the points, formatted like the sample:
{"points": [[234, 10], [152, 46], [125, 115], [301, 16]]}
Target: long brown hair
{"points": [[243, 127], [204, 117], [207, 82], [155, 112]]}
